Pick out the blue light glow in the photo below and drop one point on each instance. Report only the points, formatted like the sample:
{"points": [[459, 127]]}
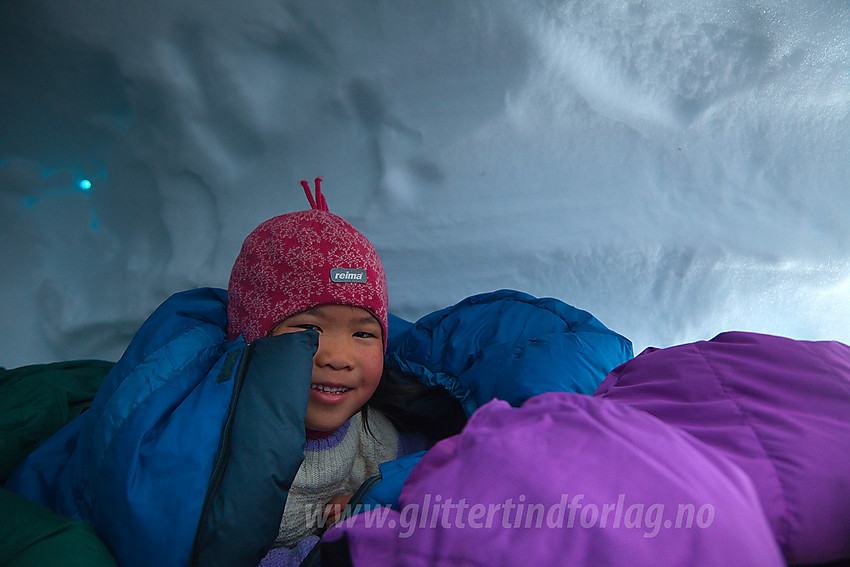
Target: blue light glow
{"points": [[85, 184]]}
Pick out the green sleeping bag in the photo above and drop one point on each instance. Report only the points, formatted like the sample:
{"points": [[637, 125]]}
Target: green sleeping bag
{"points": [[35, 402]]}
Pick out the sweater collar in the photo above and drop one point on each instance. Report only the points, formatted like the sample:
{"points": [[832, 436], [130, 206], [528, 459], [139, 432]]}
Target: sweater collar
{"points": [[322, 440]]}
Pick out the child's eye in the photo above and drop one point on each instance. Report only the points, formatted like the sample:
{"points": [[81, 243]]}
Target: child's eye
{"points": [[364, 335], [308, 326]]}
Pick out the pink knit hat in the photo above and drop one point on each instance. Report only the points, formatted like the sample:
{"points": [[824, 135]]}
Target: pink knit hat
{"points": [[301, 260]]}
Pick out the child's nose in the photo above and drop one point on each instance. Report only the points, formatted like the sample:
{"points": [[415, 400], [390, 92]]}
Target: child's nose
{"points": [[333, 352]]}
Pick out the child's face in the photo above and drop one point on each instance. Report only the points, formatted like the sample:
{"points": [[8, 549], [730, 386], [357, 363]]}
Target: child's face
{"points": [[348, 365]]}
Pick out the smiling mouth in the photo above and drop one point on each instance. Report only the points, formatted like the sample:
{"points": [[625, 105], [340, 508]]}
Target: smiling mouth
{"points": [[330, 389]]}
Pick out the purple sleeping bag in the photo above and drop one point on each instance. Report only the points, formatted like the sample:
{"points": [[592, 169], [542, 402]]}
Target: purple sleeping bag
{"points": [[565, 479], [776, 407]]}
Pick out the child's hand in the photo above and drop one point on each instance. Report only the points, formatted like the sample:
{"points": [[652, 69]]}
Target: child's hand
{"points": [[334, 509]]}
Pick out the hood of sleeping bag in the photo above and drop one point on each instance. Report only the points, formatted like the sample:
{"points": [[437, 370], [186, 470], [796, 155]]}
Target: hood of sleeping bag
{"points": [[172, 463], [507, 345]]}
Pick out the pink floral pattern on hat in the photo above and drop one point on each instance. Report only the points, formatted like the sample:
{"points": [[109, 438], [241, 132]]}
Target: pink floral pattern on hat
{"points": [[285, 266]]}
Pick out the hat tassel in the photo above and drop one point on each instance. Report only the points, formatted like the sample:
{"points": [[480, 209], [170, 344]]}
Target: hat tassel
{"points": [[319, 203]]}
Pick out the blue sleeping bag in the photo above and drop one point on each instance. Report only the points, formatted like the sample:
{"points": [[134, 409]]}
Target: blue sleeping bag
{"points": [[189, 448]]}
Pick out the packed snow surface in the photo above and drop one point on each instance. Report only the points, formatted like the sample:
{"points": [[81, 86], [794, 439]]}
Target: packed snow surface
{"points": [[676, 168]]}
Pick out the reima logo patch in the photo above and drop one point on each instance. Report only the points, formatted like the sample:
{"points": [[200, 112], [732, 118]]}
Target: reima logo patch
{"points": [[348, 275]]}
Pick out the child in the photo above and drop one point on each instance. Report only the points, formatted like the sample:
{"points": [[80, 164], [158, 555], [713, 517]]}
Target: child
{"points": [[313, 270], [191, 452]]}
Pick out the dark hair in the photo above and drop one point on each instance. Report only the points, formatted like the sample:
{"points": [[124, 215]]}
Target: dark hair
{"points": [[414, 407]]}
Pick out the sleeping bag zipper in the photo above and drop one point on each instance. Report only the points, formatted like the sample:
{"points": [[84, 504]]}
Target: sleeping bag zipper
{"points": [[223, 453]]}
